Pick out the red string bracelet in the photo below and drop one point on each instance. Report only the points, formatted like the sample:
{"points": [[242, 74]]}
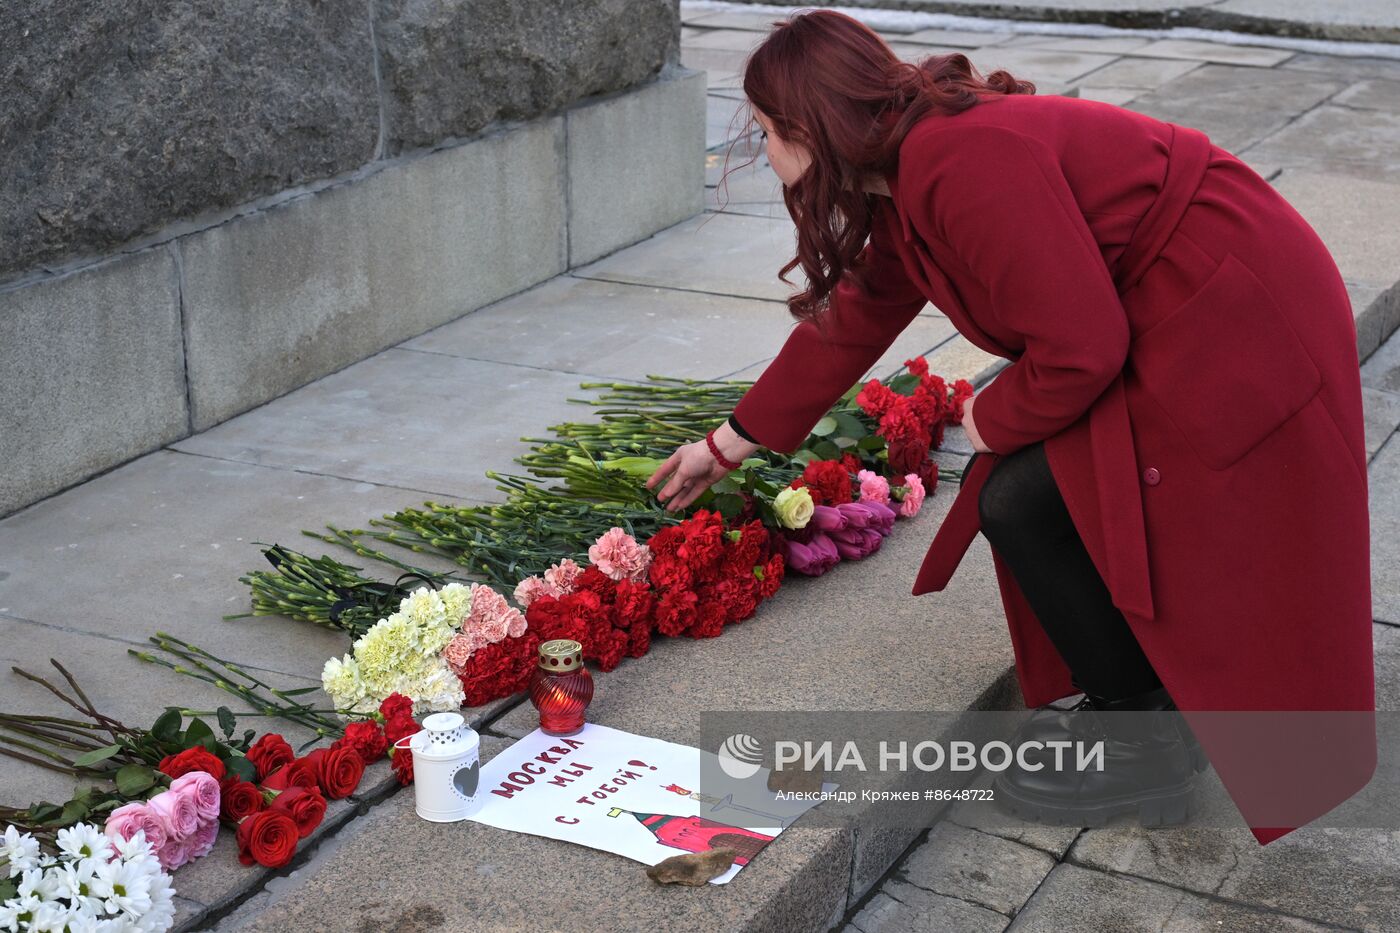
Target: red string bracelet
{"points": [[714, 449]]}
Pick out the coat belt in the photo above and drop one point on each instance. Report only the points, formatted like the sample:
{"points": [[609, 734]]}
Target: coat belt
{"points": [[1110, 427]]}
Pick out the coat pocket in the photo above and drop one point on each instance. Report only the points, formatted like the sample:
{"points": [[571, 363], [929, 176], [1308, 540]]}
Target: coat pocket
{"points": [[1226, 366]]}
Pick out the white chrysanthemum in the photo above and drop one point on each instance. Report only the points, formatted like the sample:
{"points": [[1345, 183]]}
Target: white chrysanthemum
{"points": [[75, 885], [50, 917], [20, 850], [161, 916], [84, 841], [424, 607], [123, 888], [16, 907], [457, 600]]}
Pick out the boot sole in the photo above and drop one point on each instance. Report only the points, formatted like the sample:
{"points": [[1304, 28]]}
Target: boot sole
{"points": [[1165, 807]]}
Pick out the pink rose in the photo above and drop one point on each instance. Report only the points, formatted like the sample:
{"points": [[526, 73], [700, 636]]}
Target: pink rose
{"points": [[913, 498], [873, 487], [173, 854], [202, 842], [529, 590], [618, 555], [201, 787], [177, 813], [127, 820], [561, 577]]}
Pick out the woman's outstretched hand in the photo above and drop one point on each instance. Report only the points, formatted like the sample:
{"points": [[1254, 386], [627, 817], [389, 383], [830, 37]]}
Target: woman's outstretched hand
{"points": [[693, 469]]}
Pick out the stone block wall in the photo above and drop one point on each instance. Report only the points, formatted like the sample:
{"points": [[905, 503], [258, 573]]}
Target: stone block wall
{"points": [[209, 204]]}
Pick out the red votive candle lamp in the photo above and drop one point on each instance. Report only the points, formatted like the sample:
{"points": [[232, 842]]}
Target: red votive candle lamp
{"points": [[561, 687]]}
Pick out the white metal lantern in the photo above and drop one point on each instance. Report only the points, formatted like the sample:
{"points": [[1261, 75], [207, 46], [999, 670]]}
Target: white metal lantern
{"points": [[446, 768]]}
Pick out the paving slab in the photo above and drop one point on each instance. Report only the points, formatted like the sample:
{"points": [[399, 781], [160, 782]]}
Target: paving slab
{"points": [[159, 544], [1237, 105], [1106, 45], [955, 38], [1382, 368], [594, 329], [725, 120], [1340, 140], [1346, 66], [1118, 96], [391, 870], [921, 338], [1221, 52], [1074, 898], [1383, 480], [981, 868], [731, 40], [1382, 417], [900, 907], [1144, 73], [1053, 840], [1041, 65], [724, 254], [370, 422], [1371, 94]]}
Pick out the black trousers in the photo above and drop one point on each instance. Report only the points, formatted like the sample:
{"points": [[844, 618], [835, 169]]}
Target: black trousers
{"points": [[1025, 519]]}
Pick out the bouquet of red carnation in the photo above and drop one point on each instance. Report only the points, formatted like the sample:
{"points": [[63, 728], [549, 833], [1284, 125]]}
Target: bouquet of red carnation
{"points": [[706, 576]]}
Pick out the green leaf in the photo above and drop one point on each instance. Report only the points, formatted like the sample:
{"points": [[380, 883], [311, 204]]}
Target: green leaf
{"points": [[243, 768], [198, 733], [95, 756], [167, 727], [299, 691], [74, 811], [851, 393], [871, 442], [803, 457], [133, 779], [227, 721], [729, 505], [751, 463], [824, 426], [44, 812], [726, 485], [848, 425], [826, 450], [8, 889], [904, 383]]}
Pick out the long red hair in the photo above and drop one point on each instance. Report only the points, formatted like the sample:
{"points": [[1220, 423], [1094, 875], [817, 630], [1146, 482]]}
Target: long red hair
{"points": [[831, 84]]}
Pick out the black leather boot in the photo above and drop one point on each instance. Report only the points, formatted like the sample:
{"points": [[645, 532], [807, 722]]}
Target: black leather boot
{"points": [[1047, 722], [1147, 765]]}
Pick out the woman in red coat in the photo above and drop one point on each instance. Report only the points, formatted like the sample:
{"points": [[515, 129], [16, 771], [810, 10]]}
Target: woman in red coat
{"points": [[1171, 473]]}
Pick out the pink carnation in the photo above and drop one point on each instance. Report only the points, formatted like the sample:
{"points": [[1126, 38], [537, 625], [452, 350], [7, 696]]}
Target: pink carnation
{"points": [[201, 787], [619, 556], [531, 589], [126, 821], [491, 615], [516, 625], [459, 650], [873, 487], [561, 577], [913, 497]]}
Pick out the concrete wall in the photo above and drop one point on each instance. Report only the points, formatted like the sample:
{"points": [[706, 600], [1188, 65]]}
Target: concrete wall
{"points": [[135, 314]]}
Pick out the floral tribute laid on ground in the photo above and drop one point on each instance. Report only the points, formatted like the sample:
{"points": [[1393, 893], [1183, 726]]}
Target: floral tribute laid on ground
{"points": [[579, 550]]}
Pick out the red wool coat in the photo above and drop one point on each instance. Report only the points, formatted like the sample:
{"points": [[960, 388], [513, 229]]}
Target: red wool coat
{"points": [[1183, 343]]}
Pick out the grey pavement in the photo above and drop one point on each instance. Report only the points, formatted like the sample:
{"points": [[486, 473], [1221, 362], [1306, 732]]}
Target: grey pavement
{"points": [[159, 544]]}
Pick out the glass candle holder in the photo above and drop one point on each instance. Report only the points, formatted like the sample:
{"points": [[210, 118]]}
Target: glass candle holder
{"points": [[561, 687]]}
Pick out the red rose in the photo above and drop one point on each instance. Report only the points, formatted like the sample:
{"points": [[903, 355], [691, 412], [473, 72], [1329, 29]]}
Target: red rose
{"points": [[306, 807], [367, 739], [297, 773], [338, 771], [198, 758], [402, 763], [270, 753], [238, 799], [268, 837]]}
